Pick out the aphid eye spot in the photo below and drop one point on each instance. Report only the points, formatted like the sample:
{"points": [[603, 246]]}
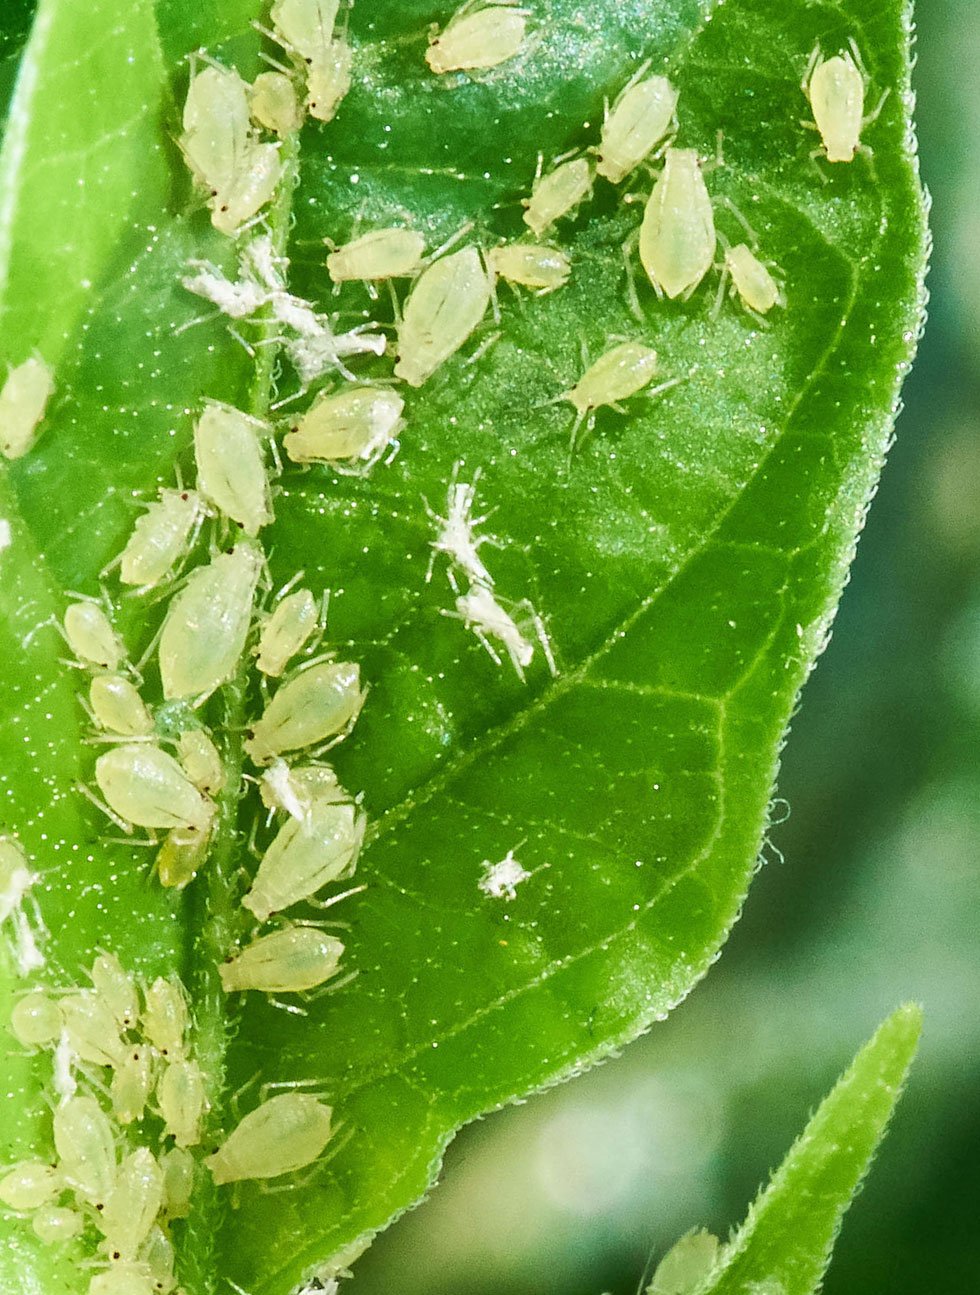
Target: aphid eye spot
{"points": [[214, 193], [99, 1206], [308, 60], [185, 496]]}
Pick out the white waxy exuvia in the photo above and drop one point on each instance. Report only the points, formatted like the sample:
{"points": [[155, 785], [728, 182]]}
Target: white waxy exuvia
{"points": [[201, 760], [91, 1028], [181, 856], [638, 121], [117, 989], [531, 265], [477, 37], [756, 287], [352, 427], [16, 878], [677, 236], [305, 856], [294, 790], [30, 1185], [294, 959], [91, 637], [23, 399], [318, 703], [161, 537], [292, 623], [147, 788], [165, 1017], [686, 1265], [286, 1133], [483, 614], [118, 707], [556, 194], [183, 1101], [123, 1279], [178, 1182], [132, 1205], [206, 625], [274, 103], [835, 88], [86, 1148], [57, 1224], [36, 1020], [380, 254], [132, 1083], [446, 304], [231, 471], [456, 536]]}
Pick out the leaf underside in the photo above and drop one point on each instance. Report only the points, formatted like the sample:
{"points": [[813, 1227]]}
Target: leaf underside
{"points": [[687, 560]]}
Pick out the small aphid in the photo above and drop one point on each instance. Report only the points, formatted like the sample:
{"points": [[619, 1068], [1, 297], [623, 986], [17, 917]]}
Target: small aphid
{"points": [[294, 790], [118, 707], [207, 623], [287, 961], [201, 760], [835, 89], [305, 856], [532, 265], [456, 536], [57, 1224], [91, 1028], [84, 1142], [165, 1018], [677, 236], [446, 304], [290, 627], [23, 399], [183, 1101], [91, 637], [477, 37], [133, 1204], [148, 788], [36, 1020], [117, 989], [30, 1185], [349, 428], [230, 468], [181, 856], [161, 537], [132, 1083], [123, 1279], [158, 1256], [615, 376], [285, 1133], [272, 98], [318, 703], [638, 121], [556, 194], [328, 78], [178, 1182], [752, 281], [483, 614], [686, 1265], [381, 254]]}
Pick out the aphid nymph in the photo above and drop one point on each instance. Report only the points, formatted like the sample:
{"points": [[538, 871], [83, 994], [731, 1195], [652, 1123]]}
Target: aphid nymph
{"points": [[290, 960], [161, 537], [274, 104], [290, 626], [531, 265], [231, 472], [618, 374], [23, 400], [556, 194], [751, 280], [636, 124], [306, 855], [118, 707], [835, 88], [380, 254], [91, 637], [350, 429], [147, 788], [479, 35]]}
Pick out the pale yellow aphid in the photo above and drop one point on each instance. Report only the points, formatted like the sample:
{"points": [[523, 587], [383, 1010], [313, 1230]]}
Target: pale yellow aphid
{"points": [[686, 1265], [350, 428], [91, 1028], [124, 1279], [201, 760], [532, 265], [835, 89], [293, 622], [638, 121], [165, 1017], [294, 790], [381, 254], [305, 856], [159, 1258], [306, 29], [146, 787], [207, 623], [231, 472], [178, 1182], [328, 78], [23, 399], [285, 1133], [756, 287], [35, 1020], [677, 236], [30, 1185], [318, 703], [446, 304], [91, 636], [478, 37], [161, 537], [86, 1148], [117, 989], [117, 706], [57, 1224], [556, 194], [274, 104], [132, 1083], [287, 961], [132, 1205], [615, 376], [181, 855], [183, 1101]]}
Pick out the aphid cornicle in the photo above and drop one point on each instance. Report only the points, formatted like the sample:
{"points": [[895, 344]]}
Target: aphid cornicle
{"points": [[160, 538], [133, 1204], [294, 959], [230, 468], [638, 121], [86, 1149], [23, 400], [478, 36], [118, 707], [751, 279], [201, 760], [132, 1083], [446, 304], [274, 104], [91, 1027], [306, 855], [352, 427], [91, 636], [291, 625], [117, 989], [207, 623], [36, 1020], [57, 1224], [30, 1185], [380, 254], [677, 236], [146, 787], [532, 265], [183, 1101], [285, 1133], [316, 704], [835, 89], [556, 194], [165, 1018]]}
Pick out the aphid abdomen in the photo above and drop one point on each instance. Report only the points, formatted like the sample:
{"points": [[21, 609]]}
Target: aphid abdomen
{"points": [[556, 194], [160, 538], [158, 1257], [274, 104], [117, 989], [132, 1083], [445, 306], [617, 375], [757, 288], [148, 788], [178, 1182], [118, 707], [532, 265], [478, 40], [87, 1153], [165, 1018], [216, 125], [836, 91], [92, 1030], [23, 400], [305, 26], [287, 961], [677, 236], [306, 855], [201, 760], [346, 426], [91, 636], [57, 1224], [30, 1185], [285, 1133], [181, 856], [36, 1020], [133, 1204], [318, 703], [183, 1101], [291, 625], [381, 254], [123, 1279], [640, 118], [687, 1265], [230, 468], [328, 78]]}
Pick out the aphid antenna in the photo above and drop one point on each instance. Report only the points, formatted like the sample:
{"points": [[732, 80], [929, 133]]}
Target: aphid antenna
{"points": [[239, 1290], [268, 58], [731, 206], [816, 56], [248, 348]]}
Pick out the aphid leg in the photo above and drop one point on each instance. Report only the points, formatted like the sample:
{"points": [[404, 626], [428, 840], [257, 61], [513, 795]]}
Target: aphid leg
{"points": [[723, 283], [89, 794], [292, 1008], [541, 634], [811, 64], [875, 112], [246, 346], [858, 60], [488, 342], [632, 296], [653, 392], [449, 243], [815, 155]]}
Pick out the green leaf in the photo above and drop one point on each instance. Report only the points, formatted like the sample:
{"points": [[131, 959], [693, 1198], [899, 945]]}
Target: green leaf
{"points": [[687, 560]]}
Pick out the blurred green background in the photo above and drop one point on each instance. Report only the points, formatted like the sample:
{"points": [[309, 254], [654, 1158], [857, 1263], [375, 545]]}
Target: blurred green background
{"points": [[876, 900]]}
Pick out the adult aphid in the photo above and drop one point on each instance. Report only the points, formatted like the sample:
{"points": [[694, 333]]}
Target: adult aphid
{"points": [[305, 29], [274, 105], [620, 373], [478, 36], [231, 472], [482, 613], [456, 536], [639, 120], [350, 429], [835, 88], [677, 236], [117, 706], [161, 537], [183, 1101], [165, 1017], [145, 787], [157, 1255], [318, 703], [91, 1028], [290, 626], [291, 960], [556, 194], [23, 400], [132, 1206], [305, 856], [686, 1265], [86, 1148], [531, 265], [286, 1133], [89, 634], [446, 304], [201, 760], [381, 254]]}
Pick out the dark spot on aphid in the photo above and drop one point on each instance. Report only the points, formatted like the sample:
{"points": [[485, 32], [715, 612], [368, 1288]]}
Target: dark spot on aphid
{"points": [[184, 495]]}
